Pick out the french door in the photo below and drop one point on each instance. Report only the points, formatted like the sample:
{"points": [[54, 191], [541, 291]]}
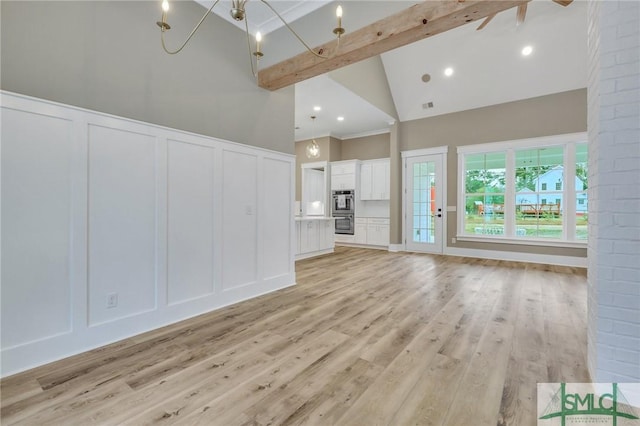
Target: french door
{"points": [[424, 203]]}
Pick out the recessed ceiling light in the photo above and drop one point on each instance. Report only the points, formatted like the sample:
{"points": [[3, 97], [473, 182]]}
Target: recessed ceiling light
{"points": [[317, 108], [527, 50], [341, 118], [448, 72]]}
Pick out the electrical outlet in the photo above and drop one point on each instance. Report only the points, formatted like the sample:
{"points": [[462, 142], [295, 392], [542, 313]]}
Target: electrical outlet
{"points": [[453, 241], [112, 300], [248, 210]]}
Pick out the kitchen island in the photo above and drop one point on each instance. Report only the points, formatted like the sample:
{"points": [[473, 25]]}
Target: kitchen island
{"points": [[314, 236]]}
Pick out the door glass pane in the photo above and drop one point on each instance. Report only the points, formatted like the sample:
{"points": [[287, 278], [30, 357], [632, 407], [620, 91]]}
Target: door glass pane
{"points": [[424, 202]]}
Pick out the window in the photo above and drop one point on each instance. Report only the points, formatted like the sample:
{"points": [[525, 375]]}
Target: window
{"points": [[517, 191], [535, 169], [484, 197], [581, 192]]}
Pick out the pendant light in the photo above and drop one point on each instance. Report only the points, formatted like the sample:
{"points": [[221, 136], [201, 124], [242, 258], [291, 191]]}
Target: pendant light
{"points": [[313, 149]]}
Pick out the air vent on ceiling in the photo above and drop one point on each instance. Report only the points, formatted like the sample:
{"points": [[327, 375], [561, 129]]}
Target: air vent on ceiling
{"points": [[428, 105]]}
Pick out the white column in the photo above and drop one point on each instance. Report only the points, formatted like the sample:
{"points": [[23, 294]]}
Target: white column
{"points": [[614, 191]]}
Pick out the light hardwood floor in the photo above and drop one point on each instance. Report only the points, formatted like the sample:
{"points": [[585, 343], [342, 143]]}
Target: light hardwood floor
{"points": [[365, 338]]}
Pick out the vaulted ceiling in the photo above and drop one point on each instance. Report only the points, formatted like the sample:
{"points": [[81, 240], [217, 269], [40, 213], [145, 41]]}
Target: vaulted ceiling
{"points": [[488, 66]]}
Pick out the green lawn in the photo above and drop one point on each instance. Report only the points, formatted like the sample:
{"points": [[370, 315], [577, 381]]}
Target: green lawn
{"points": [[543, 227]]}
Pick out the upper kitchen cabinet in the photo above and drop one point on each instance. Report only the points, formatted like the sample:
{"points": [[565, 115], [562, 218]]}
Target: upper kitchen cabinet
{"points": [[374, 179], [343, 175]]}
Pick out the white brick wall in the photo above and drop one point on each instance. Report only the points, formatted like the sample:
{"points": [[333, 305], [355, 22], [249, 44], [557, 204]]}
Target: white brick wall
{"points": [[614, 191]]}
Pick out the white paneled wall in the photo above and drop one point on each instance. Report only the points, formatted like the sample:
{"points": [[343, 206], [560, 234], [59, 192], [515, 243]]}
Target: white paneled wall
{"points": [[239, 201], [94, 206], [277, 251], [122, 222], [36, 247], [191, 218]]}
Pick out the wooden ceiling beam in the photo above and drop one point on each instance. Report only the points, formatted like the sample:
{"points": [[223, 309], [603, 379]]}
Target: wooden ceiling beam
{"points": [[420, 21]]}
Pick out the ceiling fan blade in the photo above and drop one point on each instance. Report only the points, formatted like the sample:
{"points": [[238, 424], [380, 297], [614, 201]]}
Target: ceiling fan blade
{"points": [[522, 12], [485, 22], [563, 2]]}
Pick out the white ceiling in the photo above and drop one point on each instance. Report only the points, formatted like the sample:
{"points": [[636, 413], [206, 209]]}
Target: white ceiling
{"points": [[488, 66], [360, 117], [261, 18]]}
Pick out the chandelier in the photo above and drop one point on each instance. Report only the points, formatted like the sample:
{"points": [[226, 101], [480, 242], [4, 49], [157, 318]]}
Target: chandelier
{"points": [[238, 13], [313, 149]]}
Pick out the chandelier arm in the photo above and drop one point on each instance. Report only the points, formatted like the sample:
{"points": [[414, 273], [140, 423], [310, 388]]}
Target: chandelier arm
{"points": [[293, 31], [162, 31], [246, 27]]}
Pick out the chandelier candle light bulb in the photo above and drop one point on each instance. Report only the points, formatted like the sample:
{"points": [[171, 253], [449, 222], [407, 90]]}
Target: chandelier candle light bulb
{"points": [[163, 21], [258, 40], [339, 30]]}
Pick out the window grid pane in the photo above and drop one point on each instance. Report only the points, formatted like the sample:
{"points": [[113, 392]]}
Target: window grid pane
{"points": [[485, 176], [539, 177]]}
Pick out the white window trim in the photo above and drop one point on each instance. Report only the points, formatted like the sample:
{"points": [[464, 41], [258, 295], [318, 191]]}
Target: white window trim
{"points": [[567, 239]]}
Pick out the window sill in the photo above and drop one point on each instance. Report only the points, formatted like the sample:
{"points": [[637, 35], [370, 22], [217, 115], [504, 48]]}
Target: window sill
{"points": [[524, 242]]}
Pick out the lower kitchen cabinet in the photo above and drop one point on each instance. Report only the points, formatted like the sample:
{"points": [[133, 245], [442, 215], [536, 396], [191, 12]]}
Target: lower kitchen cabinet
{"points": [[315, 236], [371, 231], [360, 231], [378, 232]]}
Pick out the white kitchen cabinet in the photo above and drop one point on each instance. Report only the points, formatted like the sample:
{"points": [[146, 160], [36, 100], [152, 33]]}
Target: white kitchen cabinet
{"points": [[366, 181], [378, 232], [339, 182], [360, 231], [343, 167], [370, 231], [343, 175], [309, 236], [327, 234], [374, 180], [315, 236], [345, 238]]}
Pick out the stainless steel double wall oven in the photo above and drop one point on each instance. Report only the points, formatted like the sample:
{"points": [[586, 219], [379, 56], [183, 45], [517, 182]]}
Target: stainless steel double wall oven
{"points": [[343, 210]]}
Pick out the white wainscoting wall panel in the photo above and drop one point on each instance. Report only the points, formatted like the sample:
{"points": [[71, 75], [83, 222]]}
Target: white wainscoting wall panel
{"points": [[191, 221], [172, 223], [239, 200], [277, 187], [122, 223], [36, 246]]}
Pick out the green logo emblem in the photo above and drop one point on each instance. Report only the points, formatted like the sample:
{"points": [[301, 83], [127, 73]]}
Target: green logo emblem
{"points": [[565, 404]]}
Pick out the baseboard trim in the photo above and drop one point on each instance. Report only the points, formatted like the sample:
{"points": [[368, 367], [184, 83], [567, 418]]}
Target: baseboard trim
{"points": [[366, 246], [395, 248], [313, 254], [573, 261]]}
